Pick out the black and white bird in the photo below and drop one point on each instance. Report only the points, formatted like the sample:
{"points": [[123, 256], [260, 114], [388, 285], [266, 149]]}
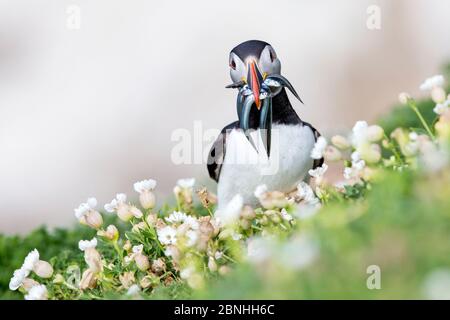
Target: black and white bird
{"points": [[269, 144]]}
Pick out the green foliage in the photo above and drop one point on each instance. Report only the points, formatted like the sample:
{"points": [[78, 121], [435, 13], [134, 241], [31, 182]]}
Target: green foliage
{"points": [[402, 226], [57, 243]]}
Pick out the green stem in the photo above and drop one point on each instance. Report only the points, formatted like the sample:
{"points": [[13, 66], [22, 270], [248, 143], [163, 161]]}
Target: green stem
{"points": [[393, 148], [119, 251], [413, 106], [229, 258]]}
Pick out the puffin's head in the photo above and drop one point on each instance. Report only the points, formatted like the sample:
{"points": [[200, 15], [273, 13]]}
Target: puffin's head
{"points": [[251, 62]]}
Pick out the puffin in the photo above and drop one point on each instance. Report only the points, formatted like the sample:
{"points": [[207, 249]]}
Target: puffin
{"points": [[269, 144]]}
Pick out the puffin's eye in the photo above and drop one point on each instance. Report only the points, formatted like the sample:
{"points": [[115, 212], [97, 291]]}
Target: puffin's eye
{"points": [[273, 56], [233, 64]]}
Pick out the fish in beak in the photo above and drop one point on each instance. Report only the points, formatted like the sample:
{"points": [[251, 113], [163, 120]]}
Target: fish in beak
{"points": [[249, 96]]}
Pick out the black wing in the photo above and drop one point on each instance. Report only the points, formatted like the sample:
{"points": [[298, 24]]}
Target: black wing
{"points": [[217, 152], [317, 162]]}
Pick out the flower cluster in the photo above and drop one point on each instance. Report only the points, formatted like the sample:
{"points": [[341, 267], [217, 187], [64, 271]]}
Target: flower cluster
{"points": [[21, 278], [193, 241]]}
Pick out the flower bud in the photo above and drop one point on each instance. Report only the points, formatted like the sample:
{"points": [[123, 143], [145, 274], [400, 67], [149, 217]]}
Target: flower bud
{"points": [[141, 261], [139, 226], [438, 94], [403, 98], [127, 246], [43, 269], [149, 281], [264, 220], [111, 233], [127, 279], [59, 279], [92, 219], [88, 280], [151, 219], [206, 228], [124, 213], [158, 266], [147, 199], [340, 142], [370, 153], [206, 198], [212, 265], [275, 218], [136, 212], [168, 281], [248, 213], [332, 154], [93, 259], [375, 133], [28, 283], [245, 224]]}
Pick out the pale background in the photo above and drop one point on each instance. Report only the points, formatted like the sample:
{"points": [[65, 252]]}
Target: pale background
{"points": [[88, 112]]}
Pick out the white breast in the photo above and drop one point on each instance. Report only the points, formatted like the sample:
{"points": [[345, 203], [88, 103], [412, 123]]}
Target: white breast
{"points": [[244, 169]]}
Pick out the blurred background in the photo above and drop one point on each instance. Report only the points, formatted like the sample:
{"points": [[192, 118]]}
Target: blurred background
{"points": [[88, 111]]}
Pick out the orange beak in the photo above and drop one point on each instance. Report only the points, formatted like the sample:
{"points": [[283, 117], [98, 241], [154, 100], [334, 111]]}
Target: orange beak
{"points": [[254, 79]]}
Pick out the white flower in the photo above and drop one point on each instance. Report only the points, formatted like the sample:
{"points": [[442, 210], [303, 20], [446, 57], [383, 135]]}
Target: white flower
{"points": [[218, 255], [186, 183], [232, 210], [359, 133], [192, 237], [30, 260], [432, 82], [319, 171], [319, 148], [138, 249], [348, 173], [355, 156], [38, 292], [191, 222], [167, 235], [86, 244], [85, 207], [441, 108], [144, 185], [285, 215], [260, 190], [404, 97], [121, 198], [357, 166], [18, 277], [305, 193], [176, 217]]}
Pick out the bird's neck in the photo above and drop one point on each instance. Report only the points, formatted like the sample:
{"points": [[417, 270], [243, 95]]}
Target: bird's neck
{"points": [[282, 112]]}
